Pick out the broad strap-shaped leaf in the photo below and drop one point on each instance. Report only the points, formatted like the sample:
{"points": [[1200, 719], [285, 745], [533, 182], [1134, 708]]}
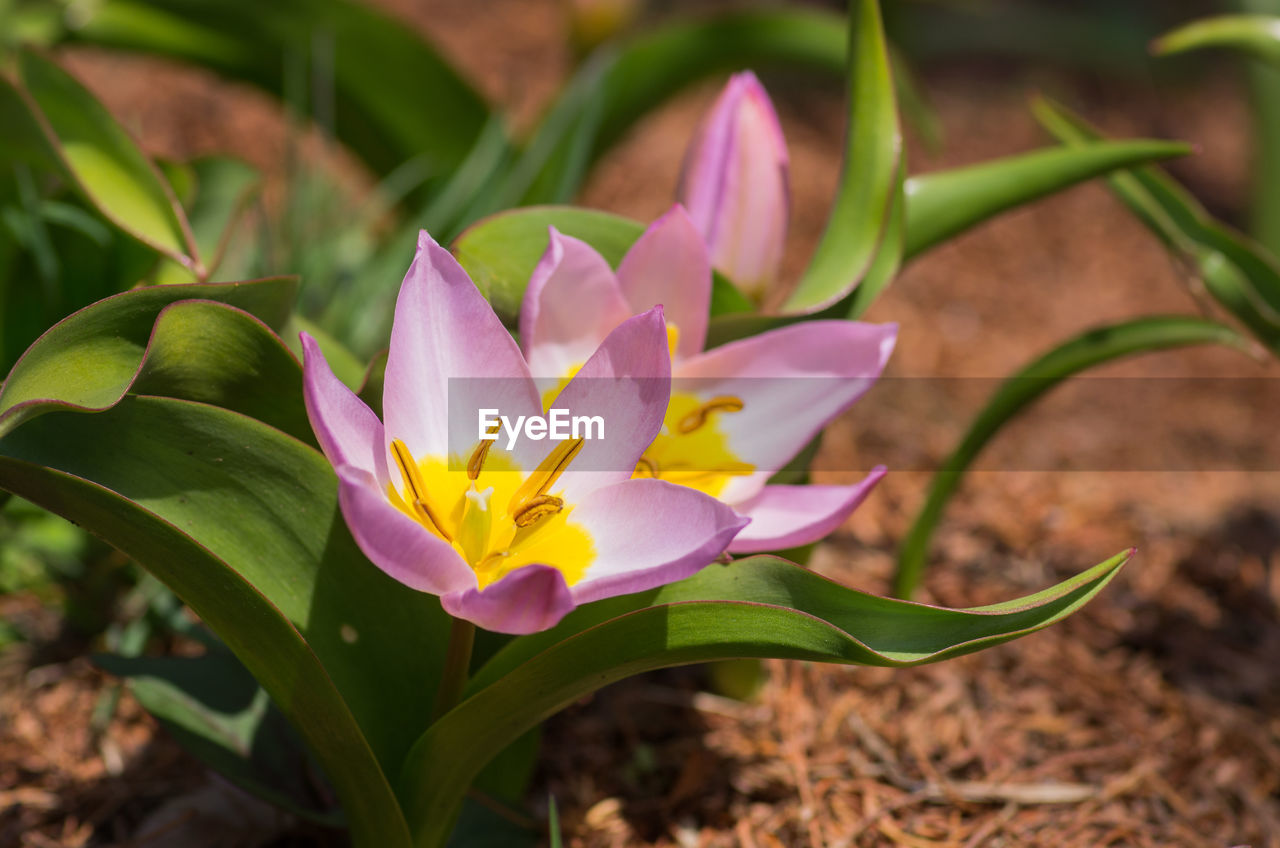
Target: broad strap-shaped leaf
{"points": [[1090, 349], [103, 163], [377, 66], [240, 519], [1241, 275], [861, 212], [1256, 35], [755, 607], [500, 252], [169, 484], [213, 353], [944, 203], [91, 358]]}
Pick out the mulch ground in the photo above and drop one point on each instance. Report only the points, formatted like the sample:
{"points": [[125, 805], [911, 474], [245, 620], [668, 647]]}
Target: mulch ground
{"points": [[1149, 719]]}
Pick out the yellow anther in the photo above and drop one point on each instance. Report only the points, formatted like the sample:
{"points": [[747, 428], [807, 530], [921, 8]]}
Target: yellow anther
{"points": [[697, 418], [418, 489], [536, 509], [545, 475], [476, 462], [646, 468], [673, 339]]}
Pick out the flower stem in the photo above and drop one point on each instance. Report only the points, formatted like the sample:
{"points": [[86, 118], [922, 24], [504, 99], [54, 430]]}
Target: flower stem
{"points": [[457, 662]]}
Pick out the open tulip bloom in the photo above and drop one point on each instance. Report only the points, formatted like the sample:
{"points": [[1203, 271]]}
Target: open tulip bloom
{"points": [[739, 412], [510, 539]]}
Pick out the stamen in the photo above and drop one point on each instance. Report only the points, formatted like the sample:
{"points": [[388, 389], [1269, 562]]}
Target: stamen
{"points": [[646, 468], [673, 338], [478, 456], [536, 509], [413, 480], [697, 418], [545, 475]]}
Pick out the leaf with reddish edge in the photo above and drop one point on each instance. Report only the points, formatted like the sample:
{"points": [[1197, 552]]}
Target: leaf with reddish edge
{"points": [[102, 161], [755, 607], [89, 360]]}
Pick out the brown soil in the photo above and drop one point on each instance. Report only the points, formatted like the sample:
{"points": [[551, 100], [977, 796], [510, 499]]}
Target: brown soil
{"points": [[1147, 719]]}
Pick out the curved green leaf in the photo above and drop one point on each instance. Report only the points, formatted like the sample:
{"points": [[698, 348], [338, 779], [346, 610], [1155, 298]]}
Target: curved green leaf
{"points": [[103, 163], [1095, 347], [239, 521], [501, 252], [1241, 275], [89, 359], [944, 203], [220, 193], [889, 255], [652, 67], [378, 68], [861, 212], [756, 607], [212, 353], [1257, 35]]}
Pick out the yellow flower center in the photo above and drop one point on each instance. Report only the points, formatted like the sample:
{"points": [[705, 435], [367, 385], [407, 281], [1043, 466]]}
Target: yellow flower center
{"points": [[692, 449], [497, 517]]}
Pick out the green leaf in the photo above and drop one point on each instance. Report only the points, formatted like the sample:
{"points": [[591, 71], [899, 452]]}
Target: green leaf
{"points": [[221, 192], [1241, 275], [889, 254], [501, 252], [1256, 35], [91, 358], [217, 354], [103, 163], [375, 107], [861, 211], [1092, 348], [944, 203], [215, 710], [755, 607], [241, 522], [650, 68]]}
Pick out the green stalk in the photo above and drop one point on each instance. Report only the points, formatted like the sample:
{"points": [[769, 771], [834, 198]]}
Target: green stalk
{"points": [[457, 662]]}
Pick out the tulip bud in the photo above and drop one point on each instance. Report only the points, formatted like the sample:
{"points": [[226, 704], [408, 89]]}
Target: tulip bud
{"points": [[734, 185]]}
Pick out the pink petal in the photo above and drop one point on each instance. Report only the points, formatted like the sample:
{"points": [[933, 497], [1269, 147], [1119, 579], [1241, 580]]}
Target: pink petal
{"points": [[791, 381], [445, 330], [527, 600], [649, 533], [397, 544], [735, 187], [348, 431], [669, 266], [571, 304], [627, 383], [790, 516]]}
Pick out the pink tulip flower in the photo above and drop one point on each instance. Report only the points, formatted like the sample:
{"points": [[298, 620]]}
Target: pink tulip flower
{"points": [[738, 412], [510, 539]]}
